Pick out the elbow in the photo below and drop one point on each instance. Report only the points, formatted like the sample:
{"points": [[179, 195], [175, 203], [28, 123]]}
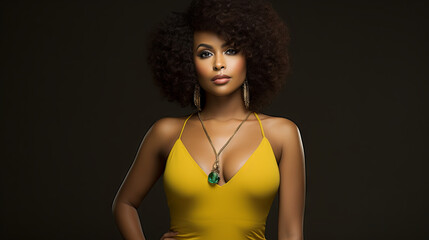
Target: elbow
{"points": [[116, 205], [121, 205]]}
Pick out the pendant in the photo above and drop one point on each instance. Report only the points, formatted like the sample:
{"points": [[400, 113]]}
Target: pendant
{"points": [[214, 177]]}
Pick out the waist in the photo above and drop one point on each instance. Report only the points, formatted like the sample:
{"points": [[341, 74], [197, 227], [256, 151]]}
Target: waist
{"points": [[225, 228]]}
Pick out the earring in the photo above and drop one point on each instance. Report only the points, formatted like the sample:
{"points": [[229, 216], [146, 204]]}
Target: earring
{"points": [[246, 94], [197, 101]]}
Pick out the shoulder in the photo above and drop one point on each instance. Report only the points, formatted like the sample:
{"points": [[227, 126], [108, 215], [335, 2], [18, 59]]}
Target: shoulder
{"points": [[282, 132], [165, 131], [276, 125], [168, 127]]}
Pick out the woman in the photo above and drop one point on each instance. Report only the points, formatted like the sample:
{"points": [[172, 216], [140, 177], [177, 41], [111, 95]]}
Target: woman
{"points": [[223, 164]]}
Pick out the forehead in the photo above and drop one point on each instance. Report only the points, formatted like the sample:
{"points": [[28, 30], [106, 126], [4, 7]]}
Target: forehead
{"points": [[208, 38]]}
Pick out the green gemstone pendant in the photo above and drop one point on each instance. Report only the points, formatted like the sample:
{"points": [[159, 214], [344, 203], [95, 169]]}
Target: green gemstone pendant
{"points": [[214, 177]]}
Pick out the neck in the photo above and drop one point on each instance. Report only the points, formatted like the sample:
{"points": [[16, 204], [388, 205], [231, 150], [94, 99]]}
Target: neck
{"points": [[224, 108]]}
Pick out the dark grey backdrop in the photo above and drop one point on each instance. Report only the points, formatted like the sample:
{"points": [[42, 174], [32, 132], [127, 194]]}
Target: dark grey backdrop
{"points": [[77, 99]]}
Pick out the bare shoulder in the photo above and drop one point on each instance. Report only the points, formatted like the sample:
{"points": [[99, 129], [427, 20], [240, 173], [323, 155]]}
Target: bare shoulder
{"points": [[281, 132], [275, 125], [166, 130], [167, 127]]}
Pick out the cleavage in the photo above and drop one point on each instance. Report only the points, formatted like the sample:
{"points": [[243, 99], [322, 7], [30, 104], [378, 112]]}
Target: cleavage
{"points": [[234, 156]]}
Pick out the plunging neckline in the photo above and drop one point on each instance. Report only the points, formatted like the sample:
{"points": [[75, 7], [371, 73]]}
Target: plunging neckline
{"points": [[239, 170]]}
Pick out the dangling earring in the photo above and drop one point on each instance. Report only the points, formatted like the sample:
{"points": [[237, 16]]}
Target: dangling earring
{"points": [[197, 101], [246, 94]]}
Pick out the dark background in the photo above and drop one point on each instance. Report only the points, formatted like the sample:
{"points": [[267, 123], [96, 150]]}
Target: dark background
{"points": [[77, 98]]}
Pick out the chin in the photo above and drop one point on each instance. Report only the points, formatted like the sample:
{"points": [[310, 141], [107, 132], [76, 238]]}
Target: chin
{"points": [[221, 91]]}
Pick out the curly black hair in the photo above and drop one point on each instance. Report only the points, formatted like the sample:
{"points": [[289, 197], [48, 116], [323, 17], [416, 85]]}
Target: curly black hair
{"points": [[252, 26]]}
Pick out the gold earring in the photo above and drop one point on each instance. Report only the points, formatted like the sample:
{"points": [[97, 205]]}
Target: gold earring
{"points": [[197, 101], [246, 94]]}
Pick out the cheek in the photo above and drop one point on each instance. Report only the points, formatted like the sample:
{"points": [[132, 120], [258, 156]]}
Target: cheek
{"points": [[202, 67], [239, 65]]}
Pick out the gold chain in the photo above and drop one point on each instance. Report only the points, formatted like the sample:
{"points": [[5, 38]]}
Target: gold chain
{"points": [[216, 164]]}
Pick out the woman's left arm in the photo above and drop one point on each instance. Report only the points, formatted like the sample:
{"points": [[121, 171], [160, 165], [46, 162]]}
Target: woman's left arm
{"points": [[292, 182]]}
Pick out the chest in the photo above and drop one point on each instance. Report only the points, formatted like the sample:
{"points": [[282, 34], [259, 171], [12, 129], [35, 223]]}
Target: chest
{"points": [[258, 171], [233, 156], [234, 147]]}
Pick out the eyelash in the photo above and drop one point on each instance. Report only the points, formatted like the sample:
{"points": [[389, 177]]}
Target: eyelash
{"points": [[203, 53]]}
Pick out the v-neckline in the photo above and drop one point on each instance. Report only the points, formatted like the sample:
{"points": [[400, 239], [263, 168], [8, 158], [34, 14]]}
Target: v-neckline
{"points": [[234, 176]]}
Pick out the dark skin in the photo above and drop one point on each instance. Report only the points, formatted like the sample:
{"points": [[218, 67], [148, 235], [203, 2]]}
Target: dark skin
{"points": [[223, 112]]}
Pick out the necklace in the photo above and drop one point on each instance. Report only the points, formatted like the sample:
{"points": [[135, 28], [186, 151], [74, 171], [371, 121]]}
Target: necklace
{"points": [[214, 174]]}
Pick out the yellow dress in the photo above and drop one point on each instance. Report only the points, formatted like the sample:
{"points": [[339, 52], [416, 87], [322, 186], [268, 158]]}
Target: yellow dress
{"points": [[236, 210]]}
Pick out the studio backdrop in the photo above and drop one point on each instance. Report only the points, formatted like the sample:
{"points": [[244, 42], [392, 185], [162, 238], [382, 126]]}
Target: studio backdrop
{"points": [[77, 98]]}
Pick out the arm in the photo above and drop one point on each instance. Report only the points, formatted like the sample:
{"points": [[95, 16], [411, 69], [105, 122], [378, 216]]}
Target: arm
{"points": [[292, 183], [147, 167]]}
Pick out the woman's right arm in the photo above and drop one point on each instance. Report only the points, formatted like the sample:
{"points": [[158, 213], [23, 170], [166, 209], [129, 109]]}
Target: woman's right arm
{"points": [[147, 167]]}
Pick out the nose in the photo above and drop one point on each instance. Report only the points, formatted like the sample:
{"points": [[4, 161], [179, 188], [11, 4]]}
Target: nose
{"points": [[219, 63]]}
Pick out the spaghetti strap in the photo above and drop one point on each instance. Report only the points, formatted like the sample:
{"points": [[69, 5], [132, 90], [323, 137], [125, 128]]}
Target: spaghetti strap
{"points": [[183, 127], [260, 124]]}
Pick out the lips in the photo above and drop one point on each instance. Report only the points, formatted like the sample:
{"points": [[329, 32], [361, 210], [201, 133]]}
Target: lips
{"points": [[221, 79]]}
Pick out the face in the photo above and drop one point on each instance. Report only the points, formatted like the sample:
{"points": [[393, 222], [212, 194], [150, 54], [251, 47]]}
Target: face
{"points": [[221, 69]]}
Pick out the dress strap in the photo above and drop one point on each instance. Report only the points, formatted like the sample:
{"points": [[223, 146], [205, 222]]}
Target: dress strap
{"points": [[260, 124], [183, 127]]}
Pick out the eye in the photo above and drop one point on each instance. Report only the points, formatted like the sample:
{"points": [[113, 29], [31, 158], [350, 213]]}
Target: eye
{"points": [[231, 51], [205, 54]]}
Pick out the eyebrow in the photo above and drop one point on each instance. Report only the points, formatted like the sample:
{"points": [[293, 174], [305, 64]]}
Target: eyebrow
{"points": [[209, 46]]}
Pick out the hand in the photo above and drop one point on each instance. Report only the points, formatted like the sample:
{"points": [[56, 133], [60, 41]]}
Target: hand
{"points": [[169, 235]]}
